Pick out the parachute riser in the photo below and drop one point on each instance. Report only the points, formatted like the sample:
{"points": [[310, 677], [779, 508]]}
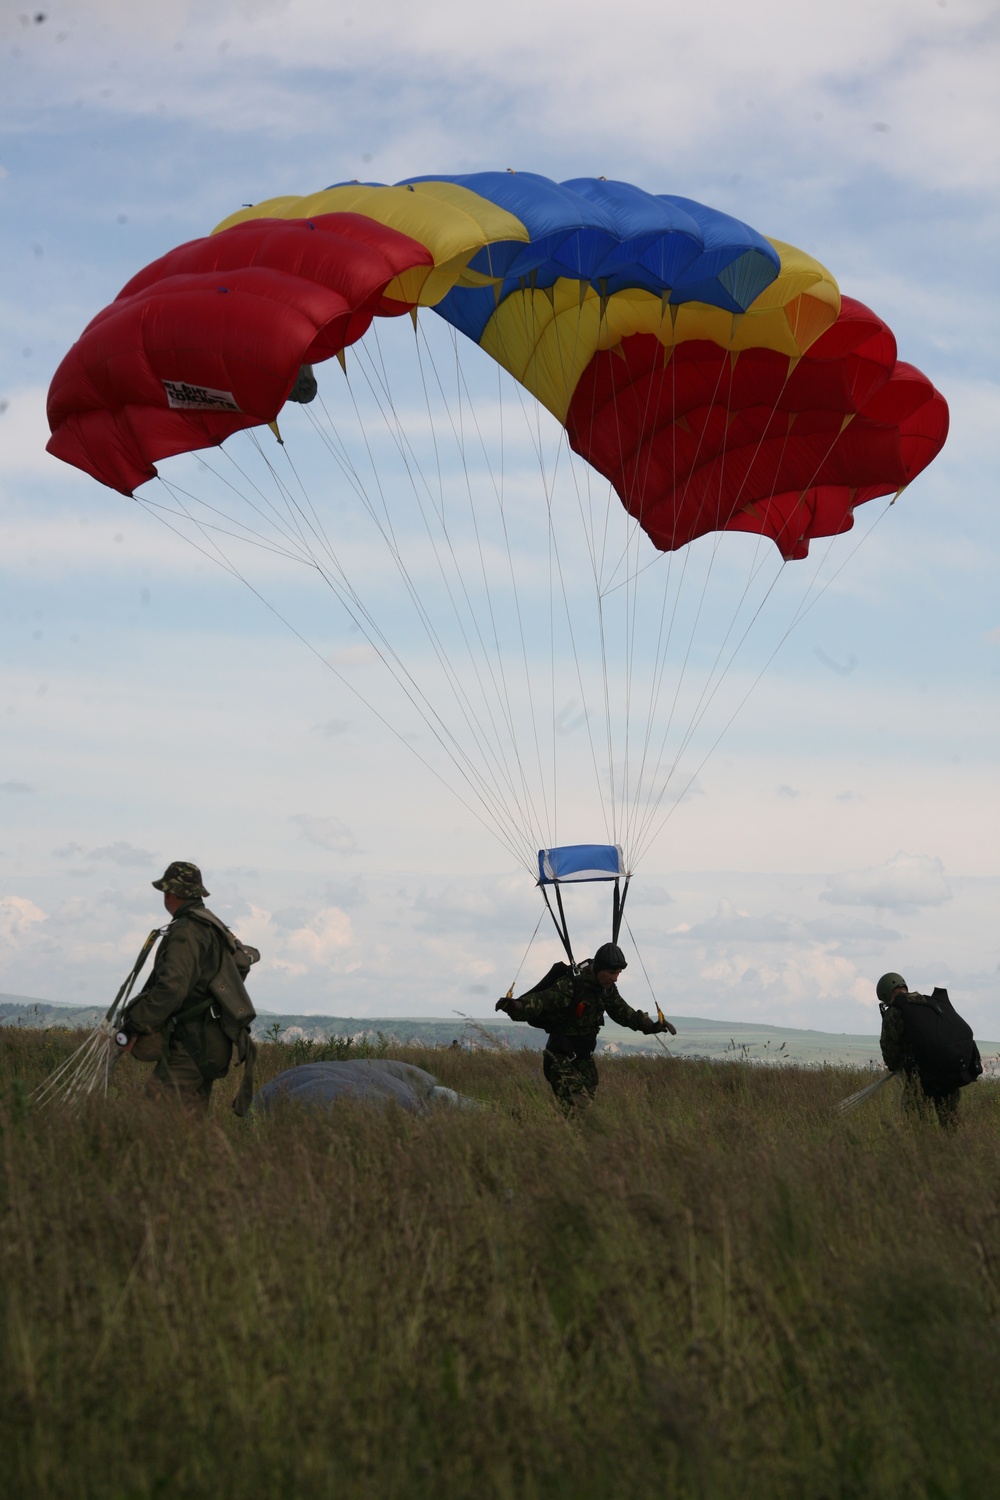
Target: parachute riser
{"points": [[559, 922], [121, 999], [562, 926], [618, 908], [91, 1065]]}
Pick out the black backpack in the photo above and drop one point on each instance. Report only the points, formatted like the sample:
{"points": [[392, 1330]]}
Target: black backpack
{"points": [[939, 1041], [559, 970]]}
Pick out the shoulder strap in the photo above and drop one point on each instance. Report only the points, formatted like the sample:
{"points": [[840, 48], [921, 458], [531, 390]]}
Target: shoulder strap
{"points": [[558, 971], [209, 919]]}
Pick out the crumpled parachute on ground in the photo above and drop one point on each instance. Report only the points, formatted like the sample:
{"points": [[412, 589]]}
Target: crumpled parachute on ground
{"points": [[379, 1081]]}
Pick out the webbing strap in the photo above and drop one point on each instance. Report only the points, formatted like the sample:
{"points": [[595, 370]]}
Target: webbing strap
{"points": [[618, 909], [560, 926], [244, 1096]]}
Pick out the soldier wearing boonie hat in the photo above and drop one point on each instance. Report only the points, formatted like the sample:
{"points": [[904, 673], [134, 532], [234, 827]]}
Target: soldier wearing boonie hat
{"points": [[175, 1020], [181, 879]]}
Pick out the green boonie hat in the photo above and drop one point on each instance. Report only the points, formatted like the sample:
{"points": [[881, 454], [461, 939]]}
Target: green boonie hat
{"points": [[888, 985], [181, 879]]}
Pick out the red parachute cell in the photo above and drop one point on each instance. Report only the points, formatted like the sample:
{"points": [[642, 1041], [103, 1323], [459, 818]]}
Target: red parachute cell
{"points": [[209, 339], [698, 439]]}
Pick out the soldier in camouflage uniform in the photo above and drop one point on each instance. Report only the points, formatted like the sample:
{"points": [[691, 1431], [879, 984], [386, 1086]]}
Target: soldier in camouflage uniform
{"points": [[174, 1019], [898, 1058], [572, 1011]]}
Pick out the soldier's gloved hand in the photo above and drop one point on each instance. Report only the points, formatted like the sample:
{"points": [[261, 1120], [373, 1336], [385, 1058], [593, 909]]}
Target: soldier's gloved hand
{"points": [[512, 1007], [651, 1027]]}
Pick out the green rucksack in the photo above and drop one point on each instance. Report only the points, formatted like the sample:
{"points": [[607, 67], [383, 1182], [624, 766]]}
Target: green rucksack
{"points": [[236, 1009]]}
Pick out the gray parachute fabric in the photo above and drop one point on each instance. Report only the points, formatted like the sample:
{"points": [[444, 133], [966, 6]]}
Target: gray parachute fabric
{"points": [[378, 1081]]}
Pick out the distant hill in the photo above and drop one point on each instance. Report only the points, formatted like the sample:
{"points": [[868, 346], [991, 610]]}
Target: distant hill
{"points": [[696, 1036]]}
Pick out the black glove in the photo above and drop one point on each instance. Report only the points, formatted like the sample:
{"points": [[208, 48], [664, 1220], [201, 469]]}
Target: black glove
{"points": [[513, 1008], [649, 1027]]}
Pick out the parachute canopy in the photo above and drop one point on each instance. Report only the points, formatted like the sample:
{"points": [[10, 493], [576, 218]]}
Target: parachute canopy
{"points": [[378, 1081], [715, 377], [544, 622]]}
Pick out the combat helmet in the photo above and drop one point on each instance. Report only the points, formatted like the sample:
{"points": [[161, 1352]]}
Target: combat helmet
{"points": [[887, 987]]}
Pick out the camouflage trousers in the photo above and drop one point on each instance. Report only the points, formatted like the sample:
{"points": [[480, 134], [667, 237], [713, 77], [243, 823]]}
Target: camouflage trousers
{"points": [[181, 1078], [572, 1078]]}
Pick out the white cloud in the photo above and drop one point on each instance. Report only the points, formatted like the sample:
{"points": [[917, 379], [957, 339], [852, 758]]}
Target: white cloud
{"points": [[24, 432], [904, 883], [506, 905], [353, 656], [18, 917], [122, 854], [791, 983], [730, 928], [729, 925], [731, 81], [317, 945], [326, 833], [858, 936], [649, 895]]}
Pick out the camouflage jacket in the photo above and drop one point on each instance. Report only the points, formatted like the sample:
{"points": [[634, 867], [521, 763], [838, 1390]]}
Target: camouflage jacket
{"points": [[892, 1041], [577, 1009], [186, 962]]}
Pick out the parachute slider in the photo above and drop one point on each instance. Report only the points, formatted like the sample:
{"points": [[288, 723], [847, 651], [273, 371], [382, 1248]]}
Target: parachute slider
{"points": [[576, 862], [581, 862]]}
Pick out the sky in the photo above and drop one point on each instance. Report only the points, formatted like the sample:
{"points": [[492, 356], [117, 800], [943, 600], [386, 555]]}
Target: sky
{"points": [[841, 822]]}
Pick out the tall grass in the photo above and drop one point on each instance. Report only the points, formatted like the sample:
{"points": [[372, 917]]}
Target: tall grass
{"points": [[707, 1286]]}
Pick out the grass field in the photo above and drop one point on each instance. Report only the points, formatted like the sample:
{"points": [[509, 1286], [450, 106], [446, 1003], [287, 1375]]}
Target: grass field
{"points": [[707, 1286]]}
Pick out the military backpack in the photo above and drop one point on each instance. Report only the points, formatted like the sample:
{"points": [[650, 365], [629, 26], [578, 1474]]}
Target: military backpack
{"points": [[939, 1041], [557, 1015]]}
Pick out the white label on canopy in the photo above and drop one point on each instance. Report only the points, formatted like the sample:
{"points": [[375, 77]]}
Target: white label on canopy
{"points": [[184, 397]]}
